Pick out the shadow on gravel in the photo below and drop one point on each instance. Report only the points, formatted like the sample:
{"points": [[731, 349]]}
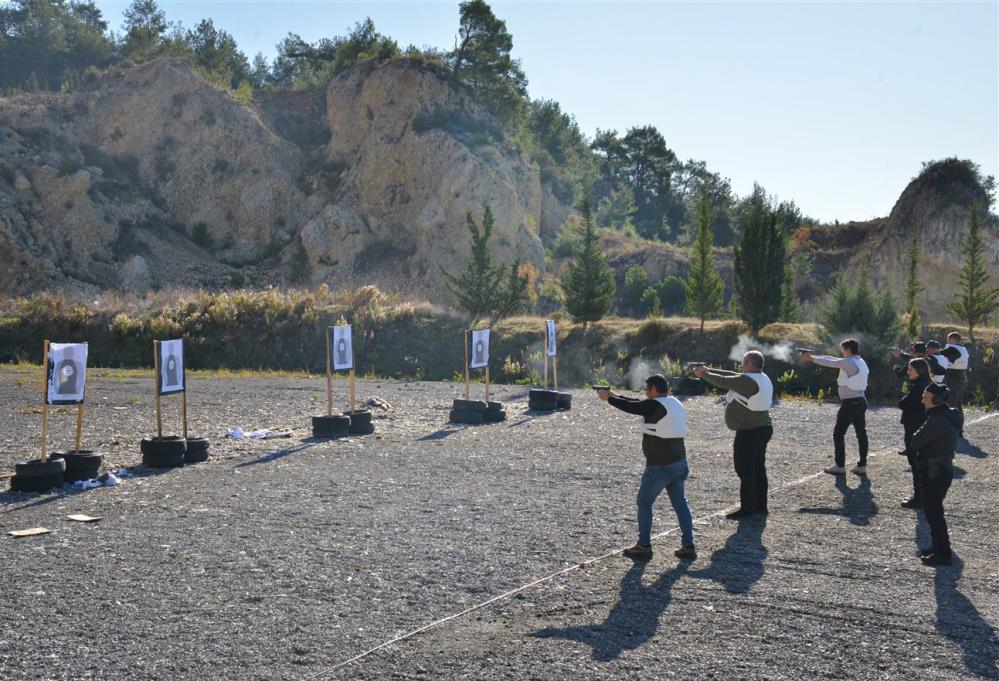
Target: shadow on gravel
{"points": [[281, 453], [439, 435], [9, 497], [739, 564], [633, 620], [974, 451], [960, 621], [858, 502]]}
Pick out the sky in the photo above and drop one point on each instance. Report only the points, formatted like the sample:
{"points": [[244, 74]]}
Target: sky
{"points": [[833, 105]]}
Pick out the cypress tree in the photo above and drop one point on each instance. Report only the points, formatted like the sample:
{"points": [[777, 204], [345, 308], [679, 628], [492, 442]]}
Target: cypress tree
{"points": [[476, 288], [912, 289], [759, 265], [589, 283], [704, 286], [976, 300]]}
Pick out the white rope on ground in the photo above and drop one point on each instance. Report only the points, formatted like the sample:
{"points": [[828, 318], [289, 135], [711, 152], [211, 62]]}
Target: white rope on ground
{"points": [[577, 566]]}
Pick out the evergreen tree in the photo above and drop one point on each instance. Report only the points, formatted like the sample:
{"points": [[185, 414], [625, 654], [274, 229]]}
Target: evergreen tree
{"points": [[589, 283], [704, 286], [977, 300], [912, 289], [759, 264], [636, 280], [854, 308], [789, 309], [145, 27]]}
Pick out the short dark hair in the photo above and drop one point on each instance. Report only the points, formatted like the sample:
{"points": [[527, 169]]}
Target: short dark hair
{"points": [[953, 334], [919, 346], [851, 344], [659, 382], [755, 357], [921, 366], [933, 344]]}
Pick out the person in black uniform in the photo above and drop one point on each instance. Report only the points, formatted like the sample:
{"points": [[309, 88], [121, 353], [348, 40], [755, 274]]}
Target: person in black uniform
{"points": [[933, 446], [957, 372], [913, 416], [916, 350]]}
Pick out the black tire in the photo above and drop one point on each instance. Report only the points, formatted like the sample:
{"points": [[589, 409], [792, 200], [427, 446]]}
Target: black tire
{"points": [[359, 417], [494, 415], [494, 406], [37, 469], [83, 460], [73, 476], [564, 401], [163, 460], [166, 446], [541, 406], [36, 484], [465, 416], [330, 426], [362, 428], [542, 400], [197, 450], [469, 405]]}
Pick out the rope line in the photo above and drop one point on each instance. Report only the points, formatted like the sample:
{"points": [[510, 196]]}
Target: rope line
{"points": [[577, 566]]}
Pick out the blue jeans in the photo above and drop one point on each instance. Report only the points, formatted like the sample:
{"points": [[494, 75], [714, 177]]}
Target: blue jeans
{"points": [[654, 480]]}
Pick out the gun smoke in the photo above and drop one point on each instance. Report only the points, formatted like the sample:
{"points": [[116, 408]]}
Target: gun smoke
{"points": [[783, 351]]}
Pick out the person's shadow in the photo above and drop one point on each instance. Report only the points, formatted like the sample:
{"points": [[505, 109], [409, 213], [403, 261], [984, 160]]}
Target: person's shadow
{"points": [[858, 502], [739, 564], [974, 451], [632, 621]]}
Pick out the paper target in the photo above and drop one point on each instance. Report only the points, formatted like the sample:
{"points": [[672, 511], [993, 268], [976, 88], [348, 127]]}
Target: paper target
{"points": [[67, 373], [341, 347], [551, 337], [480, 349], [171, 362]]}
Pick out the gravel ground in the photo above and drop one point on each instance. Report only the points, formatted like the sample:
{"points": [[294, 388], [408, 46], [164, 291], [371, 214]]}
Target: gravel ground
{"points": [[283, 559]]}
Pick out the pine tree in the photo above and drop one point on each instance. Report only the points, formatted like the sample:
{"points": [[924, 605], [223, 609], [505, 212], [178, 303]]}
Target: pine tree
{"points": [[589, 283], [912, 289], [476, 288], [789, 309], [976, 300], [704, 286], [759, 264]]}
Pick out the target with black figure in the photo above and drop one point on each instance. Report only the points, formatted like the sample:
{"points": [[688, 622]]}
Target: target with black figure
{"points": [[477, 357], [65, 366], [340, 357], [543, 399], [170, 378]]}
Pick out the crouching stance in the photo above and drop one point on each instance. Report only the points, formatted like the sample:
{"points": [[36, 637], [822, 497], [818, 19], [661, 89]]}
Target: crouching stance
{"points": [[933, 446], [663, 426]]}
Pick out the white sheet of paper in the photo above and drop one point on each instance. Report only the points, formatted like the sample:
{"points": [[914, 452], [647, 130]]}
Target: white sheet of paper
{"points": [[480, 349], [171, 367], [551, 337], [342, 349], [67, 373]]}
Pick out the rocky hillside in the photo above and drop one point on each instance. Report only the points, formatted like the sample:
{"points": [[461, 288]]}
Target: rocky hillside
{"points": [[153, 177]]}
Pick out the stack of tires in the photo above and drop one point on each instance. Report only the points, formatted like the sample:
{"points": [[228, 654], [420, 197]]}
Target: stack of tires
{"points": [[82, 465], [360, 422], [548, 400], [687, 385], [331, 426], [163, 452], [477, 411], [36, 476], [197, 450]]}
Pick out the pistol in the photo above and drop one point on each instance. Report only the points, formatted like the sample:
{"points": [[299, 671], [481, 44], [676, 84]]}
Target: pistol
{"points": [[601, 387], [802, 351], [694, 365]]}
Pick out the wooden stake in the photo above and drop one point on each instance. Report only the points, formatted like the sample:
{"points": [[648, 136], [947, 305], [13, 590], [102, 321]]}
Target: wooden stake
{"points": [[45, 399], [183, 409], [544, 354], [156, 386], [487, 383], [353, 392], [466, 363], [79, 426], [555, 371], [329, 377]]}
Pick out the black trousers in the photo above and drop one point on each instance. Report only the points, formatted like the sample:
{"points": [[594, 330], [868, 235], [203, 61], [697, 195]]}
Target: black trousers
{"points": [[910, 429], [934, 481], [852, 412], [957, 387], [750, 457]]}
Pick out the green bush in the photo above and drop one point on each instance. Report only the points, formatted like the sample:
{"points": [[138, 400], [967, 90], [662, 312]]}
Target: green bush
{"points": [[201, 236]]}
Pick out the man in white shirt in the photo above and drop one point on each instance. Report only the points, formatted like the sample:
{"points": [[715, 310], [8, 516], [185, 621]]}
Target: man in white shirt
{"points": [[852, 384]]}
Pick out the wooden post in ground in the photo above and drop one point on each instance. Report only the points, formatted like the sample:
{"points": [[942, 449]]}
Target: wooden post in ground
{"points": [[466, 363], [45, 399], [183, 409], [487, 383], [79, 427], [329, 377], [353, 391], [544, 354], [555, 371], [156, 386]]}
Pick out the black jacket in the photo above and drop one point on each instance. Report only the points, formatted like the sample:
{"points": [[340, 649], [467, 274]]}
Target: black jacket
{"points": [[935, 368], [937, 439], [911, 404]]}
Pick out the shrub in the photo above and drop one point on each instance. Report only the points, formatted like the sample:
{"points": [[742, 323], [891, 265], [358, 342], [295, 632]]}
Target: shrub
{"points": [[201, 236]]}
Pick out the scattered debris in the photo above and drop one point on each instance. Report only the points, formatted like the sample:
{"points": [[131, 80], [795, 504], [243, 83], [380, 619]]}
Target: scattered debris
{"points": [[84, 518], [237, 433], [381, 403], [31, 532]]}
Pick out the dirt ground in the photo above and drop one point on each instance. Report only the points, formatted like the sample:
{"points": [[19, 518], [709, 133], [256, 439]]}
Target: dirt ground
{"points": [[290, 559]]}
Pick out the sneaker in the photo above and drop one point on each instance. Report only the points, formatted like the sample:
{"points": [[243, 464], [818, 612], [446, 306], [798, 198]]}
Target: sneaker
{"points": [[859, 470], [638, 552], [688, 552], [737, 515], [835, 470], [911, 503], [937, 559]]}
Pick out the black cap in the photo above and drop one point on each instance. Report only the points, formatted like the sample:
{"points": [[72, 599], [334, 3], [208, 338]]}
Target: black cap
{"points": [[919, 346], [933, 344]]}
